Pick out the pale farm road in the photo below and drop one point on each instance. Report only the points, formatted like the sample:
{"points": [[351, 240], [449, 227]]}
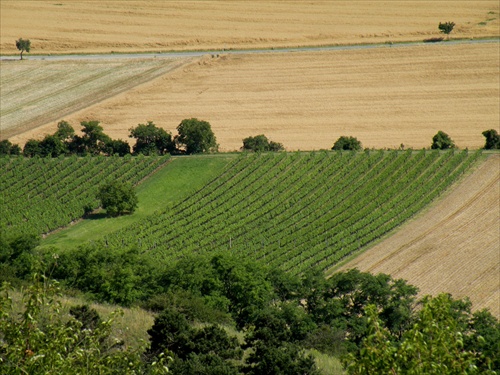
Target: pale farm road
{"points": [[186, 54]]}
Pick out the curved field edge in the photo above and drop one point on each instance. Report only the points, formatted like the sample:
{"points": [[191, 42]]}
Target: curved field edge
{"points": [[40, 195], [171, 183], [297, 210], [453, 247]]}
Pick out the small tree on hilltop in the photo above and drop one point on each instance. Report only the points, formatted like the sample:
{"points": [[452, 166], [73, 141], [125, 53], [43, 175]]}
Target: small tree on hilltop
{"points": [[442, 141], [23, 45], [347, 143], [446, 27], [492, 140], [117, 198], [196, 136]]}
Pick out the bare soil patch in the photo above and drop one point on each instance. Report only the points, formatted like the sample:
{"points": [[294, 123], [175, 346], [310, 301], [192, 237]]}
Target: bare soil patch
{"points": [[454, 247], [71, 26], [384, 96]]}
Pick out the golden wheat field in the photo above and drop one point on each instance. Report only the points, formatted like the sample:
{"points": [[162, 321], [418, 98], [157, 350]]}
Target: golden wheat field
{"points": [[75, 26], [384, 96], [454, 247]]}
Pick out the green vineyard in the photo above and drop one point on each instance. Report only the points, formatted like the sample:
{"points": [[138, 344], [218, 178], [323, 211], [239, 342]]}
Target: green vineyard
{"points": [[298, 210], [42, 194]]}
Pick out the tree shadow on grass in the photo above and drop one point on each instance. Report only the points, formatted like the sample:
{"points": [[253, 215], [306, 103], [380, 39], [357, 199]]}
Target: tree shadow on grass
{"points": [[96, 216]]}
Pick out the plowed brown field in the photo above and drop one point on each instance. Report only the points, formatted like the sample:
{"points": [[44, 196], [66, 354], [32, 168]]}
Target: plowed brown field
{"points": [[75, 26], [452, 248], [384, 96]]}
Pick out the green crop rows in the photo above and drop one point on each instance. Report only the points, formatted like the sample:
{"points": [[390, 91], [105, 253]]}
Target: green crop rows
{"points": [[298, 210], [42, 194]]}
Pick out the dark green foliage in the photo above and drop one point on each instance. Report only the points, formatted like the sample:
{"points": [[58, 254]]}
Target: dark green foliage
{"points": [[52, 146], [32, 148], [446, 27], [117, 198], [442, 141], [195, 136], [194, 349], [260, 143], [93, 141], [347, 143], [120, 276], [7, 148], [88, 316], [287, 359], [117, 147], [65, 131], [23, 45], [151, 140], [434, 344], [340, 301], [203, 364], [492, 139]]}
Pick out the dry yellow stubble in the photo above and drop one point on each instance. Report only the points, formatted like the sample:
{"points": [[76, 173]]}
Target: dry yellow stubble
{"points": [[454, 247], [75, 26]]}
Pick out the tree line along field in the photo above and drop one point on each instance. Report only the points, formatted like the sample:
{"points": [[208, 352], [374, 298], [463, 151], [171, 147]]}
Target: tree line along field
{"points": [[63, 27], [384, 96], [296, 210]]}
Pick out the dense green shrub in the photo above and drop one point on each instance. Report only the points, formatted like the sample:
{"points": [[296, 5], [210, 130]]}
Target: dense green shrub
{"points": [[347, 143]]}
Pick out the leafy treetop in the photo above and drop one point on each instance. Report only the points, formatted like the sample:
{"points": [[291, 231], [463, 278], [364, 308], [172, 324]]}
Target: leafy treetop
{"points": [[23, 45]]}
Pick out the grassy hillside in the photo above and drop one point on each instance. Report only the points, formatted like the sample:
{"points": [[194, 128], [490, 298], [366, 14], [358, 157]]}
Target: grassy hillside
{"points": [[293, 210]]}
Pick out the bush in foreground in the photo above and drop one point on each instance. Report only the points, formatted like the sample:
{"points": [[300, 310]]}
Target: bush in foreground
{"points": [[442, 141]]}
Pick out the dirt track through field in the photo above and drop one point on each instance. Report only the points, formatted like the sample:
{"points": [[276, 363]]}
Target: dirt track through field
{"points": [[385, 97], [454, 247], [75, 26]]}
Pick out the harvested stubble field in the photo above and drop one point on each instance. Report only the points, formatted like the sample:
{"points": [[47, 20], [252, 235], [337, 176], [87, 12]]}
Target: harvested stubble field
{"points": [[454, 247], [37, 92], [74, 26], [384, 96]]}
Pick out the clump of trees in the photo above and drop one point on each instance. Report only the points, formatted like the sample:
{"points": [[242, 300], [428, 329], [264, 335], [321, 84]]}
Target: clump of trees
{"points": [[347, 143], [260, 143], [23, 45], [117, 198], [492, 139], [194, 136], [442, 141], [373, 321], [7, 148]]}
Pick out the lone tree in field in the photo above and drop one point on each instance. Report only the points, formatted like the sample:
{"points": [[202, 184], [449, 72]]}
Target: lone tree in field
{"points": [[347, 143], [23, 45], [117, 198], [446, 28], [442, 141], [196, 136], [492, 139]]}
